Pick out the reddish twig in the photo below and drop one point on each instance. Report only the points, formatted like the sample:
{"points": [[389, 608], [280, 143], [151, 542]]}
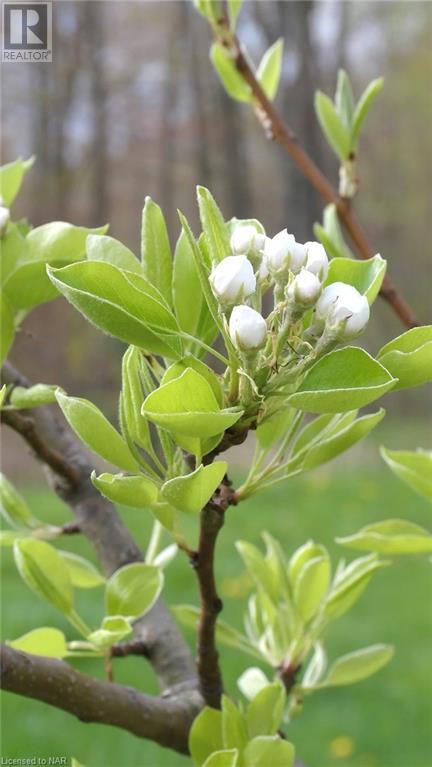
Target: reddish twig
{"points": [[275, 129]]}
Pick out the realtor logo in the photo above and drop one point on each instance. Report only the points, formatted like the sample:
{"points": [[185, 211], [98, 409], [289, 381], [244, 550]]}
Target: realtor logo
{"points": [[27, 32]]}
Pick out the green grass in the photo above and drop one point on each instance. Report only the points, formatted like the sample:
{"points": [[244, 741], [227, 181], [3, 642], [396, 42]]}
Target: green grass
{"points": [[382, 722]]}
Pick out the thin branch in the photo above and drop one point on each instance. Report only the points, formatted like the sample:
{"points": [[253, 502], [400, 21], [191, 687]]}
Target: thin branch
{"points": [[164, 720], [275, 129], [97, 518], [212, 519]]}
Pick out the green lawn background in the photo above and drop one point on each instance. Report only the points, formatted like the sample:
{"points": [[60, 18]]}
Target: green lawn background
{"points": [[382, 722]]}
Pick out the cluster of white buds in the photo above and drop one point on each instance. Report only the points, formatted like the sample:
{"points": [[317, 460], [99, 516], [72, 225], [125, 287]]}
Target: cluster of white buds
{"points": [[4, 217], [298, 271], [343, 307]]}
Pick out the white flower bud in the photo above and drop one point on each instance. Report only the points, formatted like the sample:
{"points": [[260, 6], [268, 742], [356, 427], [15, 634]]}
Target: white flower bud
{"points": [[278, 251], [305, 289], [340, 303], [248, 329], [298, 257], [233, 280], [4, 218], [316, 259], [245, 239]]}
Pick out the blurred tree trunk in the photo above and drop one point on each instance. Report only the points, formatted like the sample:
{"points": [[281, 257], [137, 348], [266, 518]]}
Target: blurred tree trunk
{"points": [[175, 31], [93, 24], [198, 51]]}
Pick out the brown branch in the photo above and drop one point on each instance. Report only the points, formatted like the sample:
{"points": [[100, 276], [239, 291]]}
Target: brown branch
{"points": [[275, 129], [164, 720], [98, 520], [202, 560]]}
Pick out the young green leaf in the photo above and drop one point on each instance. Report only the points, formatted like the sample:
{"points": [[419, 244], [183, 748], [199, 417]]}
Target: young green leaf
{"points": [[47, 642], [234, 8], [264, 713], [14, 508], [350, 584], [205, 735], [138, 491], [11, 178], [363, 106], [96, 432], [342, 380], [344, 100], [210, 9], [225, 758], [156, 250], [392, 537], [357, 665], [83, 574], [234, 730], [334, 129], [366, 276], [114, 628], [191, 492], [122, 304], [311, 586], [187, 406], [133, 590], [409, 357], [264, 751], [213, 224], [269, 70], [43, 570], [413, 467], [231, 79], [111, 251], [34, 396], [189, 616], [7, 327], [259, 569], [177, 368], [273, 428], [135, 428]]}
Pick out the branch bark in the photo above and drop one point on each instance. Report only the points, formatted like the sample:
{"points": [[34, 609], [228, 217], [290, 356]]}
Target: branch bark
{"points": [[275, 129], [164, 720], [202, 560], [69, 468]]}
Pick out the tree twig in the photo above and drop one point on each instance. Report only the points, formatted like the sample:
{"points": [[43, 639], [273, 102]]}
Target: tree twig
{"points": [[275, 129], [203, 560], [164, 720]]}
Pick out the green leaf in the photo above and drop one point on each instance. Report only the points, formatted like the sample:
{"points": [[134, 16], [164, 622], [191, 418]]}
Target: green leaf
{"points": [[311, 586], [264, 713], [13, 247], [366, 276], [135, 428], [14, 508], [350, 584], [335, 131], [231, 79], [315, 669], [306, 553], [394, 536], [409, 357], [44, 571], [265, 751], [11, 178], [363, 106], [190, 303], [8, 537], [274, 427], [205, 735], [191, 492], [122, 304], [47, 642], [56, 244], [226, 758], [342, 380], [234, 8], [210, 9], [111, 251], [269, 70], [187, 406], [333, 228], [113, 629], [177, 368], [234, 731], [213, 224], [34, 396], [413, 467], [357, 665], [156, 250], [338, 441], [7, 327], [96, 432], [83, 574], [259, 569], [137, 491], [344, 100], [133, 590]]}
